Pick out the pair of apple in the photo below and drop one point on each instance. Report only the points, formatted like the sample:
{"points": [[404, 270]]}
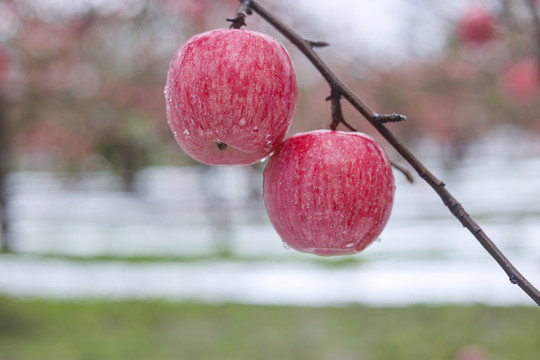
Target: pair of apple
{"points": [[230, 98]]}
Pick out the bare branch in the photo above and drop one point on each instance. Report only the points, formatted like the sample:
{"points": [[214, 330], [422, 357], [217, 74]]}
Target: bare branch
{"points": [[448, 199]]}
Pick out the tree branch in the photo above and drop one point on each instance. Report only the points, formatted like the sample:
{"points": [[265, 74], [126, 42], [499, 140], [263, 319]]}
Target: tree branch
{"points": [[448, 199]]}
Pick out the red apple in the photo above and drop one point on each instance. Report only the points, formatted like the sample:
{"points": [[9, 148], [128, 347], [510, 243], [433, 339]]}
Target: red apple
{"points": [[329, 192], [519, 82], [230, 96], [477, 26]]}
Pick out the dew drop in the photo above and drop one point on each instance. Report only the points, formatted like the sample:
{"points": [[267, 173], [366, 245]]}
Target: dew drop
{"points": [[242, 123], [186, 133], [349, 245], [256, 129]]}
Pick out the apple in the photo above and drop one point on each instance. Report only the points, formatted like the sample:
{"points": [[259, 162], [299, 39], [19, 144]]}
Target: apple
{"points": [[477, 26], [329, 192], [230, 96], [519, 81]]}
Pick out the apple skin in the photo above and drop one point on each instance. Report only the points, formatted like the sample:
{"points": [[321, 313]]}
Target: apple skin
{"points": [[477, 26], [230, 96], [329, 192], [519, 81]]}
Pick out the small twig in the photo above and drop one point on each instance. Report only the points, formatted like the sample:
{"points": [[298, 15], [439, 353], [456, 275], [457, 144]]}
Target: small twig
{"points": [[5, 144], [448, 199], [318, 44], [387, 118], [404, 171]]}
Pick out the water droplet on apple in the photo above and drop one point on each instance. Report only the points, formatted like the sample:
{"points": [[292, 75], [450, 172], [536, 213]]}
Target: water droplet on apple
{"points": [[256, 129], [186, 133], [242, 123], [349, 245]]}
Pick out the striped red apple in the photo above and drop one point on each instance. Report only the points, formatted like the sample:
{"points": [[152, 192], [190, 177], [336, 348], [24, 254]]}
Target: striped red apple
{"points": [[329, 192], [230, 96]]}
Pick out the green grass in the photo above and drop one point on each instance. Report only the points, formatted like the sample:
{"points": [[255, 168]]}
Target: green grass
{"points": [[41, 329], [329, 261]]}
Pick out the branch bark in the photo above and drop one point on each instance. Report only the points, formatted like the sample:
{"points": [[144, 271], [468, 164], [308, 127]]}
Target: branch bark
{"points": [[4, 148], [339, 88]]}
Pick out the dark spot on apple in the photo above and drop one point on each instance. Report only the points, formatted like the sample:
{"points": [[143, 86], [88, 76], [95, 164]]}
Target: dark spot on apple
{"points": [[221, 145]]}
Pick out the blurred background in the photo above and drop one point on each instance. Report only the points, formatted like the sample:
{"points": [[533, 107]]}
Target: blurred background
{"points": [[115, 244]]}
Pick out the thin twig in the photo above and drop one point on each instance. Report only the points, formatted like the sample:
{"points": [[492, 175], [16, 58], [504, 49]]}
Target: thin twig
{"points": [[388, 118], [404, 171], [4, 151], [448, 199], [318, 44]]}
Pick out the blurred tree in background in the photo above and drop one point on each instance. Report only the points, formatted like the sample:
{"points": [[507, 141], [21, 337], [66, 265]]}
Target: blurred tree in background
{"points": [[82, 83]]}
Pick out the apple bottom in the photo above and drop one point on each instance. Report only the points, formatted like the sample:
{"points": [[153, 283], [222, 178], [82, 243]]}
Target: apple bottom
{"points": [[329, 252], [218, 152]]}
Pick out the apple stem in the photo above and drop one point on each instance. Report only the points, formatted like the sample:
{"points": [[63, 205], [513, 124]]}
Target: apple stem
{"points": [[337, 113], [341, 89], [221, 145], [243, 11]]}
